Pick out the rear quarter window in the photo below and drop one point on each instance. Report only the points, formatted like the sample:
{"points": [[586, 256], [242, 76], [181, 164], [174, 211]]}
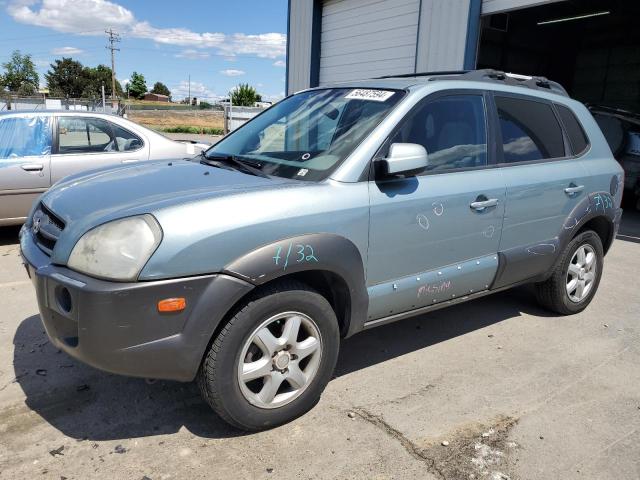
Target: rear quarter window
{"points": [[577, 136]]}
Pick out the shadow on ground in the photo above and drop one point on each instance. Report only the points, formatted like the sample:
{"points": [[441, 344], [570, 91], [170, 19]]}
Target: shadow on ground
{"points": [[85, 403], [9, 235]]}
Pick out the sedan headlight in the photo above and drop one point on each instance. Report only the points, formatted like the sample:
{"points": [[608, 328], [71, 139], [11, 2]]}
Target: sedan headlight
{"points": [[117, 250]]}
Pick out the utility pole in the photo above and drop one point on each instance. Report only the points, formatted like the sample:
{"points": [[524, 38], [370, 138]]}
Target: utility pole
{"points": [[113, 39], [189, 90]]}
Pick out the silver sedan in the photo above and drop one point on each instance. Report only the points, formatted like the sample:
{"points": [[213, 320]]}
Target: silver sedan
{"points": [[39, 148]]}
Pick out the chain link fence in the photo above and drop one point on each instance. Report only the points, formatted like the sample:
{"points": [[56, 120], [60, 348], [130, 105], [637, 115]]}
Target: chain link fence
{"points": [[31, 104]]}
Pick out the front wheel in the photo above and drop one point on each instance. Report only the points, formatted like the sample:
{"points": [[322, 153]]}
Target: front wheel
{"points": [[576, 276], [272, 360]]}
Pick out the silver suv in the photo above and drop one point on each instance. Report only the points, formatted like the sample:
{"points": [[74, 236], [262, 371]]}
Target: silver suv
{"points": [[340, 208]]}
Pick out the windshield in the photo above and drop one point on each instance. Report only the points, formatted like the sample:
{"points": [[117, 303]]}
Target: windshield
{"points": [[307, 135]]}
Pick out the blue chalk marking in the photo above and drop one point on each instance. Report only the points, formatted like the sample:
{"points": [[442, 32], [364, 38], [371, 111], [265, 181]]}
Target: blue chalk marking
{"points": [[287, 260], [276, 257]]}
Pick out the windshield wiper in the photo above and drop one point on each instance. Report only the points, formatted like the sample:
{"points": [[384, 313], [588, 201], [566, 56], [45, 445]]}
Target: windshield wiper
{"points": [[243, 165]]}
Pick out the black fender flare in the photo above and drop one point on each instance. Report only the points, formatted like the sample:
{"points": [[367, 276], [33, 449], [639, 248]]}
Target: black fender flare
{"points": [[322, 252], [535, 262], [597, 204]]}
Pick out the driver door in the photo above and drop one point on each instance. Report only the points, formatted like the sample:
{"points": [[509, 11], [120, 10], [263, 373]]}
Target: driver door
{"points": [[86, 143], [434, 237]]}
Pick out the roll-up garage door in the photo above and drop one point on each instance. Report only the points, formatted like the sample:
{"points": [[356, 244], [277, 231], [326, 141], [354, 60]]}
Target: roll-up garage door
{"points": [[367, 38]]}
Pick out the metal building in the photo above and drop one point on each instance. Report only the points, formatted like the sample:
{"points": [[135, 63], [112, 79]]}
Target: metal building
{"points": [[591, 46]]}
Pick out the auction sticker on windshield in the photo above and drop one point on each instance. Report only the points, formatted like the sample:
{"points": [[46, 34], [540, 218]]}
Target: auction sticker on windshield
{"points": [[369, 94]]}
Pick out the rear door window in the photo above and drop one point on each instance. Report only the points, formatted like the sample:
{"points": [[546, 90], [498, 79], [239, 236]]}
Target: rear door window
{"points": [[85, 135], [530, 130], [577, 137]]}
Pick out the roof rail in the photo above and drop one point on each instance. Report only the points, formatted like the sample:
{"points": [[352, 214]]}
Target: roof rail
{"points": [[424, 74], [536, 83]]}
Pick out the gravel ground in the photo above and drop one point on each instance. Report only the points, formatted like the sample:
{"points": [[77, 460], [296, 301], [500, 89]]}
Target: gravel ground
{"points": [[493, 389]]}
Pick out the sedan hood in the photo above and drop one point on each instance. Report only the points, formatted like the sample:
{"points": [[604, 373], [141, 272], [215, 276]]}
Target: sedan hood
{"points": [[89, 199]]}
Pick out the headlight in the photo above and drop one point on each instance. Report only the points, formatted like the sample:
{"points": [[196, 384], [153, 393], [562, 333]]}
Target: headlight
{"points": [[117, 250]]}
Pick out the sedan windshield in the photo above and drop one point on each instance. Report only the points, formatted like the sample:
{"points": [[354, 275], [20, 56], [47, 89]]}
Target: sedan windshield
{"points": [[308, 135]]}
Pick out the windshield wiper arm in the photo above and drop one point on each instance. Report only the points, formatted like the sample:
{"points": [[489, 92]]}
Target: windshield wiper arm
{"points": [[245, 166]]}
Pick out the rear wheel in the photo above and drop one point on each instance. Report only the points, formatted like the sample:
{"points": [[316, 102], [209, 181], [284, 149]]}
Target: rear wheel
{"points": [[576, 276], [273, 359]]}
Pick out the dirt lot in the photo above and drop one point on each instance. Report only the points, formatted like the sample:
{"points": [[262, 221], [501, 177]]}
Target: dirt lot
{"points": [[170, 118], [512, 391]]}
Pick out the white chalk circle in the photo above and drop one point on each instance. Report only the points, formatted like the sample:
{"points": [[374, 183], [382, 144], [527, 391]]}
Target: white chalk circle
{"points": [[423, 221], [438, 208]]}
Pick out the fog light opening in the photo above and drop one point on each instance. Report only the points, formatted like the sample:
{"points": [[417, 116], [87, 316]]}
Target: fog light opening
{"points": [[63, 297]]}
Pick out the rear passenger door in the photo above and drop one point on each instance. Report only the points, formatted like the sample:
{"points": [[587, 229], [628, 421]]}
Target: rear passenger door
{"points": [[545, 182], [435, 236], [85, 143]]}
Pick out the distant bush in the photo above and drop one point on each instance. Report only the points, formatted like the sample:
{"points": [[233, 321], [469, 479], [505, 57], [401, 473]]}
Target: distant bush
{"points": [[195, 130]]}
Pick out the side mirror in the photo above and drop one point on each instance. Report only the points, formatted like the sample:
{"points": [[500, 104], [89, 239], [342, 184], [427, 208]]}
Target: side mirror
{"points": [[405, 159]]}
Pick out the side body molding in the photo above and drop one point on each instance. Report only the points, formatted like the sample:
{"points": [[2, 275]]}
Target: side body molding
{"points": [[322, 252], [534, 261]]}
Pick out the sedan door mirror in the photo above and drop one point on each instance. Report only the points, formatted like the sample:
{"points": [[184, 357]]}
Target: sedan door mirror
{"points": [[405, 159]]}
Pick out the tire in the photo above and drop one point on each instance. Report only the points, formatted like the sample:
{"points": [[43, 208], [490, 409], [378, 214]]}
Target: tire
{"points": [[246, 404], [553, 293]]}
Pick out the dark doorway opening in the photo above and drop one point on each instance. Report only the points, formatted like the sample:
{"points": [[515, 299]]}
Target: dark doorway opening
{"points": [[596, 57]]}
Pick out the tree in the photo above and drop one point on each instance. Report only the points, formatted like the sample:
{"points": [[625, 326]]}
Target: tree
{"points": [[161, 89], [137, 85], [95, 78], [244, 95], [66, 78], [20, 74]]}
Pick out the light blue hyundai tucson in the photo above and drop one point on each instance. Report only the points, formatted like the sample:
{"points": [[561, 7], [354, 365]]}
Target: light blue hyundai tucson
{"points": [[338, 209]]}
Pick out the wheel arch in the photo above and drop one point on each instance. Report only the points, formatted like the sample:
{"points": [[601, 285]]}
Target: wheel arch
{"points": [[595, 212], [328, 263]]}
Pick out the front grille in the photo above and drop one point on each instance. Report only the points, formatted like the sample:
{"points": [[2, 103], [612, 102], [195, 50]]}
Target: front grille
{"points": [[46, 228]]}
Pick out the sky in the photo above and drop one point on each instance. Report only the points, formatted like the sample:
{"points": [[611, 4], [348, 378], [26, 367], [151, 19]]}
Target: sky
{"points": [[220, 43]]}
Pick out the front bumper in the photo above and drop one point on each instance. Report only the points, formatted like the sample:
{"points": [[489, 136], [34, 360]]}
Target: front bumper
{"points": [[116, 326]]}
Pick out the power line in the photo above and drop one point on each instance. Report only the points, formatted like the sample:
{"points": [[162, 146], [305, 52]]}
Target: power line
{"points": [[113, 39], [46, 35]]}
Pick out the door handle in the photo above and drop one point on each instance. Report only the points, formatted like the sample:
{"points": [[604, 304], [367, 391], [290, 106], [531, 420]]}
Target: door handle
{"points": [[483, 204], [573, 189], [32, 167]]}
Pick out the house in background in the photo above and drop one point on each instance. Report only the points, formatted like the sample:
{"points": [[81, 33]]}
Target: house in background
{"points": [[590, 46], [156, 97]]}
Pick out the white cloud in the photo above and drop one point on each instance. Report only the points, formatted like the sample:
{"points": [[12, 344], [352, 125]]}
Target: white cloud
{"points": [[91, 17], [232, 72], [71, 16], [192, 54], [67, 51], [280, 63], [198, 90]]}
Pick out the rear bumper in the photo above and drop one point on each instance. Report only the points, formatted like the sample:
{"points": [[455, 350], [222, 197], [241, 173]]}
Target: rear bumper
{"points": [[116, 326]]}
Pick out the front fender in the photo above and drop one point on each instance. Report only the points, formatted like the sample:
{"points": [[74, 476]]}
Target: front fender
{"points": [[312, 252]]}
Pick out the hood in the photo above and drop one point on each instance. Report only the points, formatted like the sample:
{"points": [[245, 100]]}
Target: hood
{"points": [[89, 199]]}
